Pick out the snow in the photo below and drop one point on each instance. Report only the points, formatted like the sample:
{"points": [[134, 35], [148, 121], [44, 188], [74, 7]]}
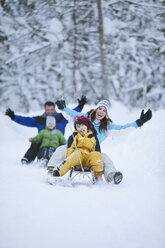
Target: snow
{"points": [[35, 214], [111, 27], [55, 26]]}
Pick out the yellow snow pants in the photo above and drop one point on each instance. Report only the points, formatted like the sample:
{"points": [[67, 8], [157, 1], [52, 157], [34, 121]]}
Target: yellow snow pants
{"points": [[92, 159]]}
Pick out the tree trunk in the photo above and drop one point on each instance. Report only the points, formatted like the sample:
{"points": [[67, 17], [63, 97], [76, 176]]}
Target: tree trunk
{"points": [[102, 51], [74, 51], [62, 59]]}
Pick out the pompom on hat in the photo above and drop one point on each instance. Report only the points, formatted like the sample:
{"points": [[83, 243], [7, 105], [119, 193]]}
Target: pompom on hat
{"points": [[105, 104], [50, 119]]}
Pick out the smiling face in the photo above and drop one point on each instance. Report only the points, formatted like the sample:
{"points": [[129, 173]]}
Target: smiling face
{"points": [[100, 113], [81, 128], [49, 110], [51, 125]]}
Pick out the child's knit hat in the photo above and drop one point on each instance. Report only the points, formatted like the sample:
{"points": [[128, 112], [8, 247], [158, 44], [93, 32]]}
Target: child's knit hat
{"points": [[103, 103], [50, 119], [85, 121]]}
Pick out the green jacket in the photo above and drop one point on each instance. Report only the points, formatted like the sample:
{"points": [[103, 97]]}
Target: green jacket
{"points": [[50, 138]]}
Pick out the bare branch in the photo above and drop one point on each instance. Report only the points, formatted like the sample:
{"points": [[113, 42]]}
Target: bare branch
{"points": [[25, 54], [142, 4]]}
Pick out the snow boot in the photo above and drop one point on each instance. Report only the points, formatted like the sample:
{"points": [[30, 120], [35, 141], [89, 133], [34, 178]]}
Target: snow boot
{"points": [[50, 170], [115, 177], [24, 161], [118, 177], [56, 173]]}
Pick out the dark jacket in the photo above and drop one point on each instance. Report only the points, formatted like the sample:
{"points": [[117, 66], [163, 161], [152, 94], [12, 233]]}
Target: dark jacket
{"points": [[40, 121]]}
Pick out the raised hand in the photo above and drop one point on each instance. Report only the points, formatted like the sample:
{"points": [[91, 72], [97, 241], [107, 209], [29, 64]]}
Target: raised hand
{"points": [[82, 101], [10, 113], [144, 117], [60, 104]]}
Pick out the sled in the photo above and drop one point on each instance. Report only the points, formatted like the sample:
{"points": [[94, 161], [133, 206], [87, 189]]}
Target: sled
{"points": [[86, 172], [75, 171], [58, 181]]}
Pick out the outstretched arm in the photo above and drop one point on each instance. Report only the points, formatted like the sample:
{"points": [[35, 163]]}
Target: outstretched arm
{"points": [[72, 113], [25, 121], [144, 117], [81, 102], [138, 123], [10, 113]]}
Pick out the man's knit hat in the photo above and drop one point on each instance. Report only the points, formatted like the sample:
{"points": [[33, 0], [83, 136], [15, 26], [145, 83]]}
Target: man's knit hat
{"points": [[50, 119], [103, 103]]}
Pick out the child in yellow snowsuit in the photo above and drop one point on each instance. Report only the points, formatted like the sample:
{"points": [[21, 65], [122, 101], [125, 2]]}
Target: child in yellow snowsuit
{"points": [[83, 149]]}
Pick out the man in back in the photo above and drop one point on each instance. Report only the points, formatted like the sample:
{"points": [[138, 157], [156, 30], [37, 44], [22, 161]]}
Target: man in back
{"points": [[40, 123]]}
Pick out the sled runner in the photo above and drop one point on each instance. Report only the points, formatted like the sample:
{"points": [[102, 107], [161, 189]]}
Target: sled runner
{"points": [[59, 181], [87, 172], [75, 171]]}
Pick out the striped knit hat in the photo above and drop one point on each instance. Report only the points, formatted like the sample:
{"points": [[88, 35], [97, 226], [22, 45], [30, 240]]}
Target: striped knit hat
{"points": [[103, 103]]}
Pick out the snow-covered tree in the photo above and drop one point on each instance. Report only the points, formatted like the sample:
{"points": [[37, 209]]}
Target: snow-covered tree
{"points": [[63, 49]]}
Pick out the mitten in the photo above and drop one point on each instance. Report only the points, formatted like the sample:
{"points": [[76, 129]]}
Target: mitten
{"points": [[10, 113], [60, 104], [144, 117], [82, 101]]}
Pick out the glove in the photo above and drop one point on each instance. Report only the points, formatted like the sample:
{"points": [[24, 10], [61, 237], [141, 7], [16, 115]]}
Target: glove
{"points": [[144, 117], [60, 104], [10, 113], [82, 101]]}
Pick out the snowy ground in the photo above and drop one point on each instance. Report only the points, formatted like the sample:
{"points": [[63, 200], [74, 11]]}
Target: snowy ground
{"points": [[34, 214]]}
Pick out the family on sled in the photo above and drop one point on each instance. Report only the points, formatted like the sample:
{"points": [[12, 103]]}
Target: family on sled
{"points": [[83, 146], [102, 124]]}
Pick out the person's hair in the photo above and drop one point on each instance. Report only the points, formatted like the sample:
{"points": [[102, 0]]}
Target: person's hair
{"points": [[104, 122], [49, 104]]}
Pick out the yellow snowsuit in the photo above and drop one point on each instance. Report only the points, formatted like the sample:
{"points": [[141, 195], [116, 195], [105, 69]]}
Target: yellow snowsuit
{"points": [[85, 152]]}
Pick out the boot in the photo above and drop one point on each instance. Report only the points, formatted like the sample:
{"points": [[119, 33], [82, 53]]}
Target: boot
{"points": [[56, 173], [118, 177], [24, 161], [115, 177], [50, 170]]}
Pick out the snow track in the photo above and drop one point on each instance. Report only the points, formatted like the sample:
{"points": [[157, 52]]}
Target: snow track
{"points": [[33, 214]]}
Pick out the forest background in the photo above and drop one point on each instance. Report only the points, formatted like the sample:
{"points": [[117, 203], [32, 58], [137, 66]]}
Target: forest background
{"points": [[104, 49]]}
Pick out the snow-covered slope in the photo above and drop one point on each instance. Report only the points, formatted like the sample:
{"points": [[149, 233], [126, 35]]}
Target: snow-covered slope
{"points": [[34, 214]]}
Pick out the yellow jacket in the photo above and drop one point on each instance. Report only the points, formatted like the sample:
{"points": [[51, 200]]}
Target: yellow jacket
{"points": [[87, 142]]}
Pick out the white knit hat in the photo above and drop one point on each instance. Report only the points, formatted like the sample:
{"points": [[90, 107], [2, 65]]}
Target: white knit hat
{"points": [[103, 103], [50, 119]]}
